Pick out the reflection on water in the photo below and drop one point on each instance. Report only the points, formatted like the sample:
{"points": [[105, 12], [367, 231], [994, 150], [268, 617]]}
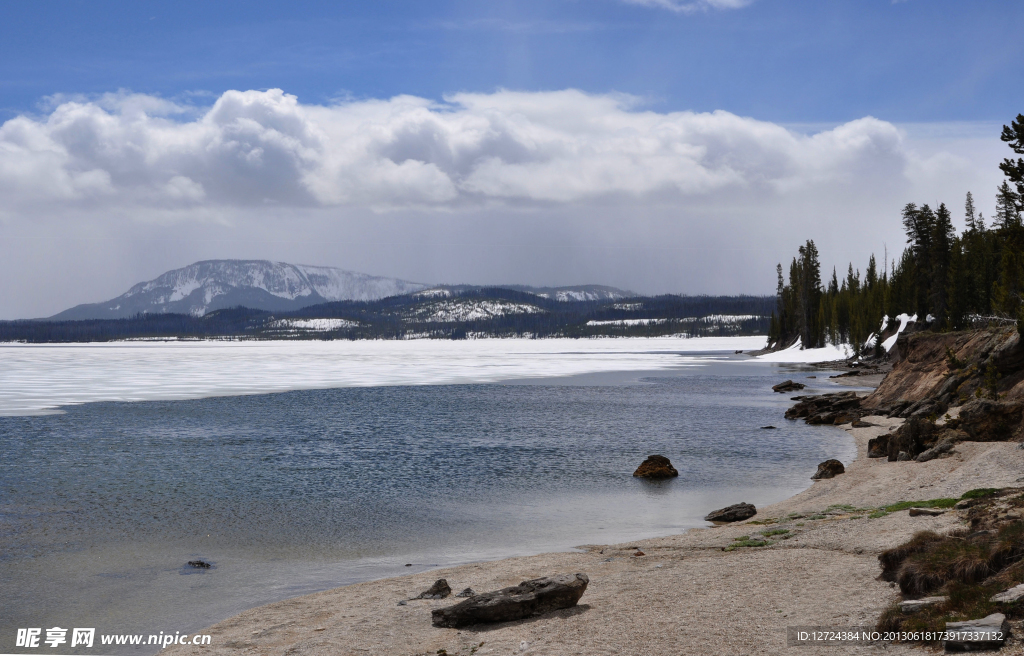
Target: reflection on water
{"points": [[103, 506]]}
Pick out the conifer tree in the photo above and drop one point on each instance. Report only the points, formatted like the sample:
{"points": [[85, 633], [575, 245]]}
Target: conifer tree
{"points": [[1013, 135]]}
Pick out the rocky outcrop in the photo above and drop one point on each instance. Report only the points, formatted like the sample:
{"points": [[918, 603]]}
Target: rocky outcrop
{"points": [[529, 598], [878, 447], [829, 469], [991, 421], [734, 513], [943, 447], [939, 370], [788, 386], [912, 438], [439, 590], [656, 467], [826, 408]]}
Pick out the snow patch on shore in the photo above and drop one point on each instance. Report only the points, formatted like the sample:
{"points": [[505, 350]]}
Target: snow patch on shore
{"points": [[796, 354]]}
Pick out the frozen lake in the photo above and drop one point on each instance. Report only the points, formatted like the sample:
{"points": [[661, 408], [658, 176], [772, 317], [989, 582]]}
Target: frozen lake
{"points": [[39, 378]]}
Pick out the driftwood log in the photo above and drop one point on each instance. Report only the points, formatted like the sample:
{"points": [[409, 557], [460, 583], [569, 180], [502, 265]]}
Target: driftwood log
{"points": [[527, 599]]}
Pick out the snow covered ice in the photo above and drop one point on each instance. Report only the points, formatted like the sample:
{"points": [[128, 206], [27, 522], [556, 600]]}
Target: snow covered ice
{"points": [[37, 379]]}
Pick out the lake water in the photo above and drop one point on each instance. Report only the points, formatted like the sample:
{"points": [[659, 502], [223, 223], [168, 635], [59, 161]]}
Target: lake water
{"points": [[293, 492]]}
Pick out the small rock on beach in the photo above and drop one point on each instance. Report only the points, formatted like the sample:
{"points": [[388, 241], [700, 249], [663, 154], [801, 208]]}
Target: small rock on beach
{"points": [[439, 590], [734, 513]]}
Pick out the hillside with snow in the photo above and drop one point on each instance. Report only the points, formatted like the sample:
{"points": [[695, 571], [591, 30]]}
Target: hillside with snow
{"points": [[211, 285]]}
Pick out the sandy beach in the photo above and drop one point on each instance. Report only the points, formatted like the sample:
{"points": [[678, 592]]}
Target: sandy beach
{"points": [[686, 595]]}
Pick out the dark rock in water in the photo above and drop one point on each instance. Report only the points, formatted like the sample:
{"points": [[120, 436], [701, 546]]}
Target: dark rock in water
{"points": [[788, 386], [439, 590], [199, 564], [527, 599], [878, 447], [767, 428], [734, 513], [826, 408], [829, 469], [656, 467], [468, 592]]}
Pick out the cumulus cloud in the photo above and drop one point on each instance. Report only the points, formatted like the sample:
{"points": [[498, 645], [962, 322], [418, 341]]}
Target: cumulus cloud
{"points": [[265, 148]]}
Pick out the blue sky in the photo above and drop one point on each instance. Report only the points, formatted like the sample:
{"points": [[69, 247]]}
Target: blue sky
{"points": [[783, 61], [657, 145]]}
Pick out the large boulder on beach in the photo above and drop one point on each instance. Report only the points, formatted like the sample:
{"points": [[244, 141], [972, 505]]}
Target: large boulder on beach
{"points": [[734, 513], [656, 467], [878, 447], [529, 598], [788, 386], [829, 469]]}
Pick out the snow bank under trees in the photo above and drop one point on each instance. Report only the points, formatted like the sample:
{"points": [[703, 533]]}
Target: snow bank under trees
{"points": [[904, 319], [796, 354]]}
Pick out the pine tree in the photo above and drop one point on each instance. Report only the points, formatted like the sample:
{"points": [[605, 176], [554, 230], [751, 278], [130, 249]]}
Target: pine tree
{"points": [[941, 243], [1013, 135], [969, 214], [811, 333], [1007, 210]]}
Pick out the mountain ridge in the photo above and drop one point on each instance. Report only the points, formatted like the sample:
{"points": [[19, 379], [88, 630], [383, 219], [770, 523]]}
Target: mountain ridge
{"points": [[209, 285]]}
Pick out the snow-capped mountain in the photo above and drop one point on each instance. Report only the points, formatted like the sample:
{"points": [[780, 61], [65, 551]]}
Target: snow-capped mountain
{"points": [[259, 284], [577, 293]]}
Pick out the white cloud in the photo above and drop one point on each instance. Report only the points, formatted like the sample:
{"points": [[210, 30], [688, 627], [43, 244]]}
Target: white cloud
{"points": [[688, 6], [543, 188], [264, 148]]}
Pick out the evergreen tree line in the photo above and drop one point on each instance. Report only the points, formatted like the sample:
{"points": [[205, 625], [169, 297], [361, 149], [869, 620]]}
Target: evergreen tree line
{"points": [[950, 280], [397, 317]]}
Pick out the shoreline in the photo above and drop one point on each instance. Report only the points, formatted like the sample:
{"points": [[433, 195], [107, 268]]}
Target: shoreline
{"points": [[685, 595]]}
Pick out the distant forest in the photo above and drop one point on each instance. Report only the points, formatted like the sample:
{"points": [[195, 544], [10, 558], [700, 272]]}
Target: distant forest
{"points": [[412, 315], [951, 281]]}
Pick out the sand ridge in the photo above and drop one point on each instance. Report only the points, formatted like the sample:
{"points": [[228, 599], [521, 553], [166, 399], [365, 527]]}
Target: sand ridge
{"points": [[685, 596]]}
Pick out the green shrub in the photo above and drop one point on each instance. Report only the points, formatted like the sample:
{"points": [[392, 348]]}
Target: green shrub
{"points": [[775, 531], [980, 493]]}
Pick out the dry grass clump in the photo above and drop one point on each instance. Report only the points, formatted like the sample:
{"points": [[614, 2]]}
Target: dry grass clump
{"points": [[891, 559], [949, 560], [967, 568]]}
